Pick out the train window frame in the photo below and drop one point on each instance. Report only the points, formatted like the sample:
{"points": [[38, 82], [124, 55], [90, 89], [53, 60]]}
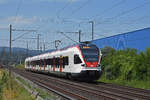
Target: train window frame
{"points": [[77, 59], [65, 61]]}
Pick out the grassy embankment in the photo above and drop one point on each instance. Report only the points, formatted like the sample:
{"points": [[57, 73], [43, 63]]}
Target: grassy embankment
{"points": [[127, 67], [10, 89], [21, 66], [42, 93]]}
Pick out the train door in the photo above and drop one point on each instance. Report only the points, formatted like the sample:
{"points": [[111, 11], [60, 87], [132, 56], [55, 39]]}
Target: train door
{"points": [[70, 62], [65, 63], [31, 65], [44, 64], [54, 64], [61, 63], [40, 65]]}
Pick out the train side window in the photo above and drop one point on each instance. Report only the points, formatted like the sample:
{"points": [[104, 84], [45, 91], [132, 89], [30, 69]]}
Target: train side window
{"points": [[38, 62], [77, 59], [57, 62], [34, 63], [48, 61], [65, 61], [41, 63], [28, 63]]}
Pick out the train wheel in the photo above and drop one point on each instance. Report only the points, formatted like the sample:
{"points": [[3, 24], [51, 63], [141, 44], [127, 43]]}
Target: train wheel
{"points": [[69, 76]]}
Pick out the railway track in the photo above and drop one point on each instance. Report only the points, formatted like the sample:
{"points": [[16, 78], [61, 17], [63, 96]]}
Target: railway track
{"points": [[137, 93], [136, 90], [86, 91]]}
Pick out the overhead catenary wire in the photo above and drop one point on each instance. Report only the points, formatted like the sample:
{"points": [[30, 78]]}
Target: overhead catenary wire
{"points": [[63, 8], [68, 37], [57, 15], [21, 36], [125, 12], [84, 4], [99, 14], [136, 20], [18, 8], [108, 9], [130, 22], [80, 7]]}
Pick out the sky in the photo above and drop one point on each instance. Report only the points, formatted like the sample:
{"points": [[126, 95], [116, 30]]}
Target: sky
{"points": [[51, 17]]}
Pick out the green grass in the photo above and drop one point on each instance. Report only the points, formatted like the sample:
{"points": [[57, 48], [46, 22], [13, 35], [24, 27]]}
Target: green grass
{"points": [[45, 95], [131, 83], [21, 66], [11, 90], [24, 82], [41, 92]]}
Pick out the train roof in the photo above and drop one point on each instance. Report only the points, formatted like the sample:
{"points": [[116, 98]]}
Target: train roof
{"points": [[38, 57]]}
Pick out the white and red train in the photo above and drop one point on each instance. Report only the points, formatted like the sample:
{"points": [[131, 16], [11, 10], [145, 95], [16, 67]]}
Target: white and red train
{"points": [[79, 61]]}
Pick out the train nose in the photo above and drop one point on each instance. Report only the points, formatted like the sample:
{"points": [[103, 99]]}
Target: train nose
{"points": [[84, 65], [91, 64]]}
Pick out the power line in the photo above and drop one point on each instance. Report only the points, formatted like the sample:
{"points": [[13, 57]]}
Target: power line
{"points": [[110, 8], [68, 37], [135, 20], [84, 4], [18, 8], [63, 8], [80, 7], [23, 33], [125, 12], [57, 14]]}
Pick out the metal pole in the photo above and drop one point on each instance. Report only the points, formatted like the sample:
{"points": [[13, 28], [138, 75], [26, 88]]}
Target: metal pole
{"points": [[92, 22], [27, 49], [44, 47], [10, 53], [79, 36], [38, 40], [10, 40], [40, 48], [55, 45]]}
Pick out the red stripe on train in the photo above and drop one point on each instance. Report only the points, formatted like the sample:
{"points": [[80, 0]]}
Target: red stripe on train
{"points": [[91, 64]]}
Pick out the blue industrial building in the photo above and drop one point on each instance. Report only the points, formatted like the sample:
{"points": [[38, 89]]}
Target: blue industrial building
{"points": [[139, 39]]}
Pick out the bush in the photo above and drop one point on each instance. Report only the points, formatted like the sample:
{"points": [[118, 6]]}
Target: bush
{"points": [[142, 69], [126, 64]]}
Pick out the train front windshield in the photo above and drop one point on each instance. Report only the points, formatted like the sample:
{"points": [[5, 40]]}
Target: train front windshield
{"points": [[90, 53]]}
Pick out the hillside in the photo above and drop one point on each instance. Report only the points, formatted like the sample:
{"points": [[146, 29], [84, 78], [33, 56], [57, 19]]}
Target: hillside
{"points": [[18, 55]]}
